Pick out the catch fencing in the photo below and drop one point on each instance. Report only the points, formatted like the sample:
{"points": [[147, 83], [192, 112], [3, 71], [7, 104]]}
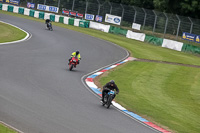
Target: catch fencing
{"points": [[151, 21]]}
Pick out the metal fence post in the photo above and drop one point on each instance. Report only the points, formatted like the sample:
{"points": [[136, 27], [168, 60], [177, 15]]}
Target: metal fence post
{"points": [[86, 6], [179, 23], [73, 5], [144, 18], [135, 14], [44, 2], [110, 7], [122, 11], [155, 21], [58, 3], [98, 6], [165, 24], [191, 25]]}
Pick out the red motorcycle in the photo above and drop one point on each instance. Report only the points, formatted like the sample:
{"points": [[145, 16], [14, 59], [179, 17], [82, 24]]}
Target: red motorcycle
{"points": [[73, 62]]}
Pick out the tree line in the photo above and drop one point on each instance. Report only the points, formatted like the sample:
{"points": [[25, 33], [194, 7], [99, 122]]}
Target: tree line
{"points": [[181, 7]]}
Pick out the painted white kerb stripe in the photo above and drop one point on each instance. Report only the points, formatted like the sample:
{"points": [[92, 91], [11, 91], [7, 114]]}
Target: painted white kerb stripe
{"points": [[11, 127], [27, 34]]}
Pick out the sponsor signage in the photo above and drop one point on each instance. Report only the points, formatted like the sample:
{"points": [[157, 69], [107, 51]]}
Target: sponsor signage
{"points": [[13, 2], [136, 26], [30, 5], [89, 16], [65, 12], [72, 14], [79, 15], [1, 0], [113, 19], [191, 37], [98, 18], [47, 8]]}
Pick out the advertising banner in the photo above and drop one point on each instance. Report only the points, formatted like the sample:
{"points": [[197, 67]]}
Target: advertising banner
{"points": [[89, 16], [72, 14], [79, 15], [65, 12], [1, 0], [191, 37], [98, 18], [13, 2], [47, 8], [113, 19], [30, 5], [197, 39], [136, 26]]}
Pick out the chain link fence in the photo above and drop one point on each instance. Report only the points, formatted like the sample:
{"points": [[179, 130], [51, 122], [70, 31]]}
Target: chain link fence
{"points": [[152, 22]]}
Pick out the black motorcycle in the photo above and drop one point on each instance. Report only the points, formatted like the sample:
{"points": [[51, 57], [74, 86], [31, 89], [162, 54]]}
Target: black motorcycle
{"points": [[49, 26], [108, 98]]}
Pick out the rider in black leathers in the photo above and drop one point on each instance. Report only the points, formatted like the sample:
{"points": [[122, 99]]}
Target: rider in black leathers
{"points": [[47, 21], [109, 86]]}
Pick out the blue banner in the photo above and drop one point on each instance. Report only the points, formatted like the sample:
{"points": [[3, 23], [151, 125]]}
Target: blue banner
{"points": [[13, 2], [98, 18], [1, 0], [30, 5], [47, 8], [89, 16], [191, 37]]}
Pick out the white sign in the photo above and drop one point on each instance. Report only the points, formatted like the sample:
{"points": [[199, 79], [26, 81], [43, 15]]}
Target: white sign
{"points": [[47, 8], [136, 26], [89, 16], [113, 19]]}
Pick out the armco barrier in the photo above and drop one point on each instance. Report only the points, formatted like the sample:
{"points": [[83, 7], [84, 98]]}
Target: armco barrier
{"points": [[61, 19], [71, 21], [190, 48], [41, 15], [32, 13], [98, 26], [52, 17], [153, 40], [26, 11], [16, 9], [21, 10], [66, 20], [117, 30], [1, 6], [10, 8], [172, 44], [135, 36]]}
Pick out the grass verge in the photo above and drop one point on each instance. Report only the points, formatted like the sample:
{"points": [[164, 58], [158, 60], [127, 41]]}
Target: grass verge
{"points": [[9, 33], [5, 129], [167, 94]]}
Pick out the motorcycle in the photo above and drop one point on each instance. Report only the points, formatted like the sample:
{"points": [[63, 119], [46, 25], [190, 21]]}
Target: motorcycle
{"points": [[108, 98], [73, 62], [49, 26]]}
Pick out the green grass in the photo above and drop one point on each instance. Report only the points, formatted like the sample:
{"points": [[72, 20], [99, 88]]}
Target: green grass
{"points": [[166, 94], [9, 33], [4, 129]]}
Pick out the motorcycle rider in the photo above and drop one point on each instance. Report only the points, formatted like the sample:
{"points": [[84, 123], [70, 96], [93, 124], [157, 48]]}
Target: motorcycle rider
{"points": [[107, 87], [76, 54], [47, 21]]}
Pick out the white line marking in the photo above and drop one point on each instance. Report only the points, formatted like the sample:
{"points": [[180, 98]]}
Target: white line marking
{"points": [[28, 36]]}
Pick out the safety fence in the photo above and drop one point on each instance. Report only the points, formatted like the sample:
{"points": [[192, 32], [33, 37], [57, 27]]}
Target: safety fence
{"points": [[155, 22], [175, 45]]}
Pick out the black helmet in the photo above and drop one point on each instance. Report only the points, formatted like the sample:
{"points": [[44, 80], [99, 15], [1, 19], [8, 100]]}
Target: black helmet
{"points": [[112, 81], [77, 52]]}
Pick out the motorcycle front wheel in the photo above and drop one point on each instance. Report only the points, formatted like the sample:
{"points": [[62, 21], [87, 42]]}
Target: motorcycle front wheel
{"points": [[71, 67]]}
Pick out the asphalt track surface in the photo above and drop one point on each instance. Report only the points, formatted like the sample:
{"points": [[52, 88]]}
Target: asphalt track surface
{"points": [[39, 95]]}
